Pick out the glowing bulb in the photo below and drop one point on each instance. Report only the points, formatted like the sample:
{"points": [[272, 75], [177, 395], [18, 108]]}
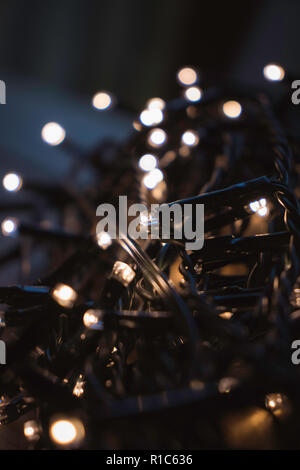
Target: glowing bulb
{"points": [[104, 240], [260, 207], [273, 401], [226, 315], [123, 273], [64, 295], [12, 182], [153, 178], [187, 76], [9, 226], [65, 431], [31, 430], [193, 94], [78, 389], [273, 72], [93, 319], [147, 162], [190, 138], [53, 133], [232, 109], [226, 384], [157, 137], [151, 117], [156, 103], [102, 101]]}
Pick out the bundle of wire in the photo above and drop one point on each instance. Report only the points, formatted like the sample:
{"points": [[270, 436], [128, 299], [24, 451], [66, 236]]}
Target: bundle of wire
{"points": [[127, 344]]}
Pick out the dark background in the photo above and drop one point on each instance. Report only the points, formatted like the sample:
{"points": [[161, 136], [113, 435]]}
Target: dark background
{"points": [[54, 55]]}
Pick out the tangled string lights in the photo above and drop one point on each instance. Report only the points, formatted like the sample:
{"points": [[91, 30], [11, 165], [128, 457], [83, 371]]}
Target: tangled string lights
{"points": [[121, 344]]}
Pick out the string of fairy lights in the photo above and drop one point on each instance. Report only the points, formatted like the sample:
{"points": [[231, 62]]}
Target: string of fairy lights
{"points": [[116, 329]]}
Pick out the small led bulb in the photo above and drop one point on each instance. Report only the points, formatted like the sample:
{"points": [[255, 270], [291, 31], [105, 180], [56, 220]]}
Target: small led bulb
{"points": [[123, 273], [193, 94], [64, 295], [151, 117], [273, 401], [226, 384], [67, 431], [157, 137], [53, 133], [9, 227], [104, 240], [78, 389], [93, 319], [147, 162], [102, 101], [156, 103], [190, 138], [232, 109], [31, 430], [187, 76], [259, 207], [274, 72], [12, 182], [152, 178]]}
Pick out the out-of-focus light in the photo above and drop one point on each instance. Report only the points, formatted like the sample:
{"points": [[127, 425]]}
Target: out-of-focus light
{"points": [[92, 318], [232, 109], [64, 295], [156, 103], [273, 401], [123, 273], [151, 117], [190, 138], [9, 226], [66, 431], [78, 389], [226, 315], [102, 101], [274, 72], [53, 133], [12, 182], [187, 76], [157, 137], [259, 207], [193, 94], [31, 430], [147, 162], [226, 384], [104, 240], [153, 178]]}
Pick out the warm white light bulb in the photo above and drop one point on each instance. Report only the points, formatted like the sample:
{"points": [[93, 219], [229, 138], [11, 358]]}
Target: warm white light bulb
{"points": [[147, 162], [232, 109], [151, 117], [12, 182], [190, 138], [156, 103], [67, 431], [123, 273], [187, 76], [64, 295], [31, 430], [157, 137], [260, 207], [193, 94], [153, 178], [274, 72], [9, 226], [93, 319], [102, 101], [53, 133], [104, 240]]}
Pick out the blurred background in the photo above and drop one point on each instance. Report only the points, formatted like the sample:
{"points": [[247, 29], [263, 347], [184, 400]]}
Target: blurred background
{"points": [[55, 55]]}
